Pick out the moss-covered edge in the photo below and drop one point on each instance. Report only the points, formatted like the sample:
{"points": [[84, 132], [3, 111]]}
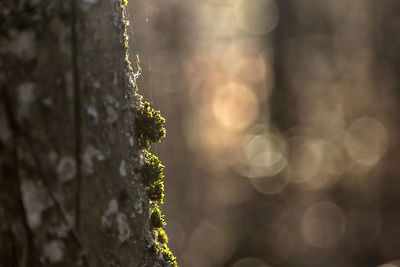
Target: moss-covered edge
{"points": [[149, 129]]}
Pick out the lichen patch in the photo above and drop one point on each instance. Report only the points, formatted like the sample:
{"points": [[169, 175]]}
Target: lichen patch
{"points": [[92, 111], [131, 141], [90, 153], [112, 206], [122, 168], [107, 218], [54, 250], [35, 200], [124, 231], [25, 97], [115, 222], [112, 115], [66, 168]]}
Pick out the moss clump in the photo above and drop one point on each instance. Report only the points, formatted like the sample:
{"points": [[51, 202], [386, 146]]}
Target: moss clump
{"points": [[160, 247], [150, 129], [156, 218], [150, 126], [165, 253], [124, 2], [156, 192], [152, 170], [152, 174], [169, 257], [162, 236]]}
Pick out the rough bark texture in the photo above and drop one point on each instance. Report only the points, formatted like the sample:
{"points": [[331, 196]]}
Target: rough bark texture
{"points": [[69, 195]]}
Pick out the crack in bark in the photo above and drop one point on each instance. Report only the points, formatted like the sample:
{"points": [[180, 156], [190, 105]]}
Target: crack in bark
{"points": [[78, 124], [77, 114]]}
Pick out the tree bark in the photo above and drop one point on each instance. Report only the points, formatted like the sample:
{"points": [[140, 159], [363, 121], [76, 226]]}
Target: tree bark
{"points": [[70, 192]]}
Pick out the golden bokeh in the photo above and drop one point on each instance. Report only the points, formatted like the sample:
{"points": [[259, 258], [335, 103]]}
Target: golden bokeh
{"points": [[282, 122], [234, 106]]}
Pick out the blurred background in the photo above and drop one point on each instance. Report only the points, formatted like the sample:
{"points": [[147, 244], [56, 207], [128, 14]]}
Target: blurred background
{"points": [[282, 143]]}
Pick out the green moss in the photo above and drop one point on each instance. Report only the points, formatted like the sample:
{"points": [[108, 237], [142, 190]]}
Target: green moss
{"points": [[156, 218], [169, 257], [152, 170], [124, 2], [160, 247], [128, 63], [165, 253], [156, 192], [150, 126], [150, 129], [162, 236], [152, 174]]}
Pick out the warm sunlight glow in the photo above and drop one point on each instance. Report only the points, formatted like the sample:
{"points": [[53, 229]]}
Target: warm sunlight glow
{"points": [[234, 106]]}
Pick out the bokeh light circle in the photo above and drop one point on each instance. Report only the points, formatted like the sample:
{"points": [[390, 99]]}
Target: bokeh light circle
{"points": [[235, 106], [317, 163], [271, 185], [366, 141], [261, 153], [323, 224], [256, 16]]}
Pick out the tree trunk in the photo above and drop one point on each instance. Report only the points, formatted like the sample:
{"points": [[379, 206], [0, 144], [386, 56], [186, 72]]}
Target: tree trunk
{"points": [[71, 158]]}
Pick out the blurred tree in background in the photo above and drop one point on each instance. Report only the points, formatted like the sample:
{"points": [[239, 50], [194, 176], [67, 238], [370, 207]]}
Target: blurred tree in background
{"points": [[282, 121]]}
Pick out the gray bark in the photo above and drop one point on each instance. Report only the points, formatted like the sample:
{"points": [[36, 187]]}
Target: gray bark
{"points": [[69, 195]]}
